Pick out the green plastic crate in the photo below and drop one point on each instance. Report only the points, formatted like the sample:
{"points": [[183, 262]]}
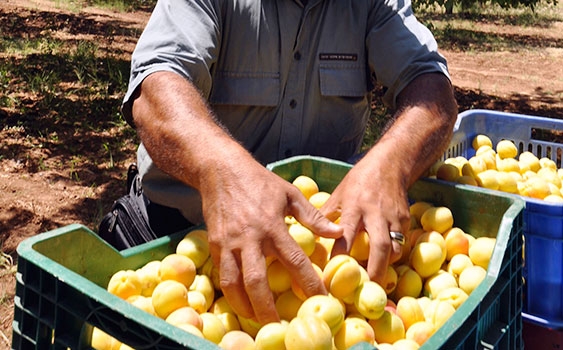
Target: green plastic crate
{"points": [[491, 317], [61, 295], [62, 274]]}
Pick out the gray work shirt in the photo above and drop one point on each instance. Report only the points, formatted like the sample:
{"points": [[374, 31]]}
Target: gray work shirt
{"points": [[283, 78]]}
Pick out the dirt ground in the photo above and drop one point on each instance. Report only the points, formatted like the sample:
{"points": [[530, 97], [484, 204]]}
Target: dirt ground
{"points": [[40, 190]]}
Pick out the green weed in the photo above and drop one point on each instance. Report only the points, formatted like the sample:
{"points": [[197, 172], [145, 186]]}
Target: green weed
{"points": [[116, 5]]}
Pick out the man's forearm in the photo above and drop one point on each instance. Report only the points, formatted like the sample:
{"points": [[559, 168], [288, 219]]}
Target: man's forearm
{"points": [[423, 127], [179, 131]]}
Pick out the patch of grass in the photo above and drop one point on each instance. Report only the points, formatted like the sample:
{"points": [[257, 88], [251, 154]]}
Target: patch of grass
{"points": [[458, 31], [459, 39], [73, 85], [378, 119], [29, 45], [116, 5]]}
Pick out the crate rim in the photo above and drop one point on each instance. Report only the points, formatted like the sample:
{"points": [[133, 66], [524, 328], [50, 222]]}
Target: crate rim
{"points": [[530, 117]]}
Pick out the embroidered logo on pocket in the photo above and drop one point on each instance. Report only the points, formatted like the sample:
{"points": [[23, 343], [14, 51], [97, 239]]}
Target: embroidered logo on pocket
{"points": [[338, 57]]}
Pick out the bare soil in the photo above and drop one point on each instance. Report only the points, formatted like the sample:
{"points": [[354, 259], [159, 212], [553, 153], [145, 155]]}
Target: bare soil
{"points": [[47, 182]]}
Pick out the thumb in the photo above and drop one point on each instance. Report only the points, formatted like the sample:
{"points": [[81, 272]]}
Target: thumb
{"points": [[310, 217]]}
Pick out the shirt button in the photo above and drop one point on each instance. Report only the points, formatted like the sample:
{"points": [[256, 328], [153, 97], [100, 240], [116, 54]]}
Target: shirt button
{"points": [[292, 103], [288, 152], [297, 55]]}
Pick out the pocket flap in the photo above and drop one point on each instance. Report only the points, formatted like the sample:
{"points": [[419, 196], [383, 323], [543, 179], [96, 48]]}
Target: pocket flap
{"points": [[246, 89], [343, 80]]}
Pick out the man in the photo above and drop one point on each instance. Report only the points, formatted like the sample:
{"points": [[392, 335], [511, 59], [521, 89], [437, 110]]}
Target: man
{"points": [[219, 88]]}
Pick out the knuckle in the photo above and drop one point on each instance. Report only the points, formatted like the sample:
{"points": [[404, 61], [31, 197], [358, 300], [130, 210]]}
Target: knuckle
{"points": [[254, 277], [384, 242], [227, 282]]}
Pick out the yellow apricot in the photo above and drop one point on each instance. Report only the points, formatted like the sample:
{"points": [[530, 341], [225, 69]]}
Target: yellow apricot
{"points": [[506, 149], [481, 140], [437, 219], [306, 185]]}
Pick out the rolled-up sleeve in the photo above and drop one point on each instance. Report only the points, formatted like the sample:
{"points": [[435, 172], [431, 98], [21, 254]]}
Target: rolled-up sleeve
{"points": [[397, 56], [182, 36]]}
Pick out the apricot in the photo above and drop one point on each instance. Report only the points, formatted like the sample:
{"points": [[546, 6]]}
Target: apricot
{"points": [[388, 328], [272, 336], [409, 310], [287, 305], [304, 238], [237, 340], [438, 312], [326, 308], [212, 327], [194, 246], [185, 314], [308, 332], [353, 331], [306, 185], [177, 267], [168, 296], [420, 332], [124, 284], [456, 242], [341, 275], [426, 258], [370, 299], [481, 251], [471, 277], [438, 282], [409, 283], [437, 219]]}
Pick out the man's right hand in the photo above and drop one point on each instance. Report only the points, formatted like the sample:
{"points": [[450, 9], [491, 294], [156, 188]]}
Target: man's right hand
{"points": [[245, 222], [244, 204]]}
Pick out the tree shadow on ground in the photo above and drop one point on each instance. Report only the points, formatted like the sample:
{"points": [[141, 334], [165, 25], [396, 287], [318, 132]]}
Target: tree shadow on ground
{"points": [[456, 39], [33, 23], [524, 18], [515, 103]]}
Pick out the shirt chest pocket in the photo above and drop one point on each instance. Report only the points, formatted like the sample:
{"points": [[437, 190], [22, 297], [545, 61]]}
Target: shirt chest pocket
{"points": [[346, 80], [246, 89]]}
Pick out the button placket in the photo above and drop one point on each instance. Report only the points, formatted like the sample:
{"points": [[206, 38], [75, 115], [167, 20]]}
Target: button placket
{"points": [[292, 123]]}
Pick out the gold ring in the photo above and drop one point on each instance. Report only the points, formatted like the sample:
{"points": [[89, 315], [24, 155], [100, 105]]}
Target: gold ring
{"points": [[397, 237]]}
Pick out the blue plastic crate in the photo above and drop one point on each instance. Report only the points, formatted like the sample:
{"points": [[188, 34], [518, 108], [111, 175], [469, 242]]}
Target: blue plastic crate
{"points": [[543, 221]]}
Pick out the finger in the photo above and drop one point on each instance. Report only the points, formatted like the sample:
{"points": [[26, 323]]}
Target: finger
{"points": [[331, 209], [349, 224], [312, 218], [379, 253], [397, 248], [232, 285], [256, 285], [299, 266], [396, 251]]}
